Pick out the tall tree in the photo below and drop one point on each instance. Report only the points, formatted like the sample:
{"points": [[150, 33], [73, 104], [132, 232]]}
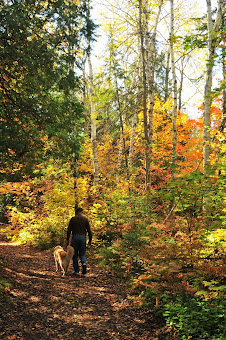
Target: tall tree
{"points": [[36, 108], [166, 83], [118, 75], [173, 67], [212, 27], [143, 34], [148, 52], [151, 50], [93, 112], [223, 118]]}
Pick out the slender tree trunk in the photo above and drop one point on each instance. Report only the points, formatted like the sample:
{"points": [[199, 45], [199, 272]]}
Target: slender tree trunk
{"points": [[174, 117], [121, 139], [132, 139], [208, 82], [181, 84], [166, 90], [119, 163], [223, 53], [121, 110], [148, 57], [92, 104], [122, 145], [223, 118], [93, 124], [207, 91], [71, 66], [151, 63], [85, 101], [134, 121], [142, 35]]}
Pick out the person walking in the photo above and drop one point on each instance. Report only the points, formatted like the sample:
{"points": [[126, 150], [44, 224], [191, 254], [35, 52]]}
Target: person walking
{"points": [[79, 226]]}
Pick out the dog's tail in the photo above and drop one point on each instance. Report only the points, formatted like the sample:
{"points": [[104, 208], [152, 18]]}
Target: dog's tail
{"points": [[70, 251]]}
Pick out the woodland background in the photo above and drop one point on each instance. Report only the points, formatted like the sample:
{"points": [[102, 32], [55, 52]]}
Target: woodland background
{"points": [[128, 143]]}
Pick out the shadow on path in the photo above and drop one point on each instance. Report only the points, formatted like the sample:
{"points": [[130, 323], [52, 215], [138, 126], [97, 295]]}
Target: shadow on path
{"points": [[44, 305]]}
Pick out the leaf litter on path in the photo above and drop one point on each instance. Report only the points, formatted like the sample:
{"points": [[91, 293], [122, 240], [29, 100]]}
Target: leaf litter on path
{"points": [[44, 305]]}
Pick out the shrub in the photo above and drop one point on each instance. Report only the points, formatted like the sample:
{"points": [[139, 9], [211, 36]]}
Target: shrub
{"points": [[6, 234], [195, 318]]}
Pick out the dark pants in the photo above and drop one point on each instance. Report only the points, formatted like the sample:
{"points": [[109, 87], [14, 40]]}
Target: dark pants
{"points": [[78, 242]]}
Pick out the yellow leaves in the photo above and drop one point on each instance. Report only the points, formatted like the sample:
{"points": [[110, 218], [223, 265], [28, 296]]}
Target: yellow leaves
{"points": [[14, 188], [212, 289], [182, 119], [16, 166], [44, 4], [142, 280], [19, 219], [218, 235], [82, 188], [202, 293]]}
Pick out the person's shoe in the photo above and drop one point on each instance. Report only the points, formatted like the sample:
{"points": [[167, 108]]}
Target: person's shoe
{"points": [[84, 269], [75, 274]]}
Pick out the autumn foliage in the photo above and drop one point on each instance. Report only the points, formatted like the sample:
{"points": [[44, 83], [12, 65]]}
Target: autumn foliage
{"points": [[167, 238], [163, 241]]}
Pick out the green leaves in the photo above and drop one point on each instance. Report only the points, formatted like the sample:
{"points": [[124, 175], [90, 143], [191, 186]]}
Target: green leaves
{"points": [[195, 41], [38, 50], [194, 318]]}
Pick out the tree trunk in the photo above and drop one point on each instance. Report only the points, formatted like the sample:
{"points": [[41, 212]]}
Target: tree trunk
{"points": [[134, 121], [92, 104], [151, 63], [181, 84], [132, 139], [223, 118], [122, 145], [93, 124], [85, 100], [166, 89], [212, 29], [174, 116], [142, 34], [119, 163]]}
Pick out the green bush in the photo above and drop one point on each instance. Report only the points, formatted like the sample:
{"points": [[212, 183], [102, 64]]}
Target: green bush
{"points": [[50, 236], [195, 318], [111, 258], [44, 236]]}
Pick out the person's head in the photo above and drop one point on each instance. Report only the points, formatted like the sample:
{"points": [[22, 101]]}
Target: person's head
{"points": [[78, 211]]}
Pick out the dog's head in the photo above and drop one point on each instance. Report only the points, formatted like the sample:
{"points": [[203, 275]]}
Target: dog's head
{"points": [[57, 247]]}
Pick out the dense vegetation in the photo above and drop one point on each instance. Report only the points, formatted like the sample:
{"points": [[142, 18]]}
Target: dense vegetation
{"points": [[157, 210]]}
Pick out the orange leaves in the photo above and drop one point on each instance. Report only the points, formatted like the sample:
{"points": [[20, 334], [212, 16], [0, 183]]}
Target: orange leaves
{"points": [[189, 149], [14, 188], [85, 162], [107, 156]]}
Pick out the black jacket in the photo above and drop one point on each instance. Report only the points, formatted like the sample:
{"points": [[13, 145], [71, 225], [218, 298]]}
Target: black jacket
{"points": [[79, 225]]}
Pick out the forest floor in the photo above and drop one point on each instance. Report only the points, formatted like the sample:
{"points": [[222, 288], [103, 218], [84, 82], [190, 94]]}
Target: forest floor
{"points": [[41, 304]]}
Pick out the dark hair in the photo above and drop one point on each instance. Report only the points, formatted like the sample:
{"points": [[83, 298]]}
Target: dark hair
{"points": [[77, 210]]}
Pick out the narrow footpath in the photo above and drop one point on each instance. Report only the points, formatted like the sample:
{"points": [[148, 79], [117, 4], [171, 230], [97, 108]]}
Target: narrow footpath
{"points": [[41, 304]]}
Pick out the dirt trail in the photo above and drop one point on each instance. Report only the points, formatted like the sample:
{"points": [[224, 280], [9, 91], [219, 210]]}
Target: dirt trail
{"points": [[45, 305]]}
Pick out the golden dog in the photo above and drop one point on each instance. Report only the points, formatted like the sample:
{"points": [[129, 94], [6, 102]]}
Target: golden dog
{"points": [[63, 258]]}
